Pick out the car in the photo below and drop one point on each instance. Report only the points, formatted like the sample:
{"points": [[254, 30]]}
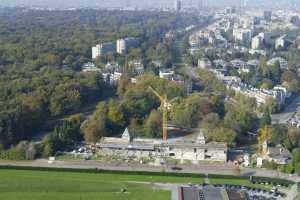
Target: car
{"points": [[175, 168]]}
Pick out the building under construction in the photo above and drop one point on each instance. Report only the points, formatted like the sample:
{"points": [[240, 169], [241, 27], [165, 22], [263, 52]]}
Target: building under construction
{"points": [[178, 149]]}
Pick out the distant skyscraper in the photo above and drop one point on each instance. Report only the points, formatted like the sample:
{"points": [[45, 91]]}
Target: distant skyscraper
{"points": [[177, 5], [244, 3], [201, 4], [268, 15]]}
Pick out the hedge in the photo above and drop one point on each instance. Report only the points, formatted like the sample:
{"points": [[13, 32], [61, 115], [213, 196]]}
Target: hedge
{"points": [[227, 176], [273, 181], [101, 171]]}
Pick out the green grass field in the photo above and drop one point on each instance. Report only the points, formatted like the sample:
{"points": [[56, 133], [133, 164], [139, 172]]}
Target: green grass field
{"points": [[40, 185]]}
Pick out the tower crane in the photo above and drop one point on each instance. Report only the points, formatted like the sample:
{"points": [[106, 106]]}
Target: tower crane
{"points": [[166, 106]]}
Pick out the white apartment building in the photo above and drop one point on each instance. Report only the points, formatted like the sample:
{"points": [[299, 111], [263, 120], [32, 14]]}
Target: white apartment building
{"points": [[280, 42], [103, 48], [243, 36], [257, 42], [95, 52], [124, 45]]}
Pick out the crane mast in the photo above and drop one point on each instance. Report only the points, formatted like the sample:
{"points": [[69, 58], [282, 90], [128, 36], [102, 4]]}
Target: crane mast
{"points": [[165, 107]]}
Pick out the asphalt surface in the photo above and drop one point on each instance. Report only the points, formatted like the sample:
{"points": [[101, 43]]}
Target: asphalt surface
{"points": [[287, 113]]}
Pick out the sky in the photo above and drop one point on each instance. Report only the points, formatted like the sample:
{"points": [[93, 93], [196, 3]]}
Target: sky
{"points": [[136, 3]]}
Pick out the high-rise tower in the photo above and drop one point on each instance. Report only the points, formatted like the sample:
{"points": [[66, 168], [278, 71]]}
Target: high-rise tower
{"points": [[177, 5]]}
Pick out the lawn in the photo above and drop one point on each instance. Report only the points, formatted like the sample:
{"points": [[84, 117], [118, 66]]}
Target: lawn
{"points": [[40, 185]]}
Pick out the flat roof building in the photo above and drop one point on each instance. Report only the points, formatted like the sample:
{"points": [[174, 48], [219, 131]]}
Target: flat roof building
{"points": [[124, 45]]}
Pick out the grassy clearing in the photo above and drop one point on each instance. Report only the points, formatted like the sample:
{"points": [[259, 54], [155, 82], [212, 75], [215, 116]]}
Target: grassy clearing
{"points": [[40, 185]]}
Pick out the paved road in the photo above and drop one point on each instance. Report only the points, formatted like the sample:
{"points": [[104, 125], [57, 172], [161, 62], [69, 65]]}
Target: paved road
{"points": [[287, 113], [203, 168]]}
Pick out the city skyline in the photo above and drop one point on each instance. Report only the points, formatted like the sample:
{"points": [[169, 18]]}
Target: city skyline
{"points": [[148, 4]]}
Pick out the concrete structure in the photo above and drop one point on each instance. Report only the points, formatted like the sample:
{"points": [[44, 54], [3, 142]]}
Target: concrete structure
{"points": [[124, 45], [90, 67], [204, 63], [137, 67], [243, 36], [282, 62], [268, 15], [141, 148], [277, 154], [280, 42], [177, 5], [112, 78], [295, 20], [102, 49], [267, 37], [257, 42]]}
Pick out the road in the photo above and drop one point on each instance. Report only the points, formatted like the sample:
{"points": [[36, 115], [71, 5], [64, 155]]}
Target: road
{"points": [[203, 168], [287, 113]]}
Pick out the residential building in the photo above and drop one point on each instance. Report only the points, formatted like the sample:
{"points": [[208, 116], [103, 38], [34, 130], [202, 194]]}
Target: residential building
{"points": [[124, 45], [95, 52], [295, 20], [243, 36], [177, 5], [102, 49], [278, 154], [282, 62], [257, 42], [268, 15], [166, 74], [90, 67], [137, 67], [280, 42], [267, 37]]}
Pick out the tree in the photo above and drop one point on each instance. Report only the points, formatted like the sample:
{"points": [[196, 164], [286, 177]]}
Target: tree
{"points": [[266, 84], [96, 127], [135, 128], [115, 116], [293, 137], [265, 135], [138, 103], [66, 98], [153, 126], [279, 135], [210, 122], [222, 134], [123, 85], [275, 73], [296, 159], [266, 119], [47, 148]]}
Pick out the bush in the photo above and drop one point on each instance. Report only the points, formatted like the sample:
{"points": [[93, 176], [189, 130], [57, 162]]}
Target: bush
{"points": [[273, 181], [288, 169]]}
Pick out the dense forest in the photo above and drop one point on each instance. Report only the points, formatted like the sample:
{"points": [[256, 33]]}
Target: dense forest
{"points": [[41, 54]]}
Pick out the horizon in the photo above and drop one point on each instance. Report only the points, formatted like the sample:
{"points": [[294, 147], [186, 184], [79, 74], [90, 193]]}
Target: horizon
{"points": [[144, 3]]}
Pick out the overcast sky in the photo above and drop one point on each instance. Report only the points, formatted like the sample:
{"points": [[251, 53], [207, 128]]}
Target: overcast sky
{"points": [[138, 3]]}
